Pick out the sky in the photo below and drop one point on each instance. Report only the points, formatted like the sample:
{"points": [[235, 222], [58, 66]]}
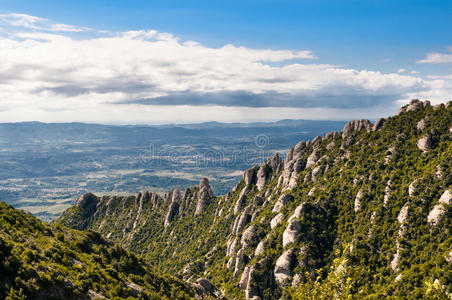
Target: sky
{"points": [[154, 62]]}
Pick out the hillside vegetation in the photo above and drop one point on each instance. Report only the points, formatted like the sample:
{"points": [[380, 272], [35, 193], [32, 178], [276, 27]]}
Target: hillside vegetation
{"points": [[42, 261], [365, 213]]}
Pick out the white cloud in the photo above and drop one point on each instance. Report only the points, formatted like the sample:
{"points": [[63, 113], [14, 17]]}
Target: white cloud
{"points": [[437, 58], [49, 75], [31, 22], [401, 70]]}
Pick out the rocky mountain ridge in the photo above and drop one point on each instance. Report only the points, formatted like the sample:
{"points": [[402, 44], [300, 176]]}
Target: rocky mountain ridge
{"points": [[365, 212]]}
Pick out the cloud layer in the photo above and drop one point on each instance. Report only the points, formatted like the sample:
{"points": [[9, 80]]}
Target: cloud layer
{"points": [[52, 70]]}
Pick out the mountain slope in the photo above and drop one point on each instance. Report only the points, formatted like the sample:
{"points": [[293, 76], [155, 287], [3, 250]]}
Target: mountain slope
{"points": [[366, 212], [43, 261]]}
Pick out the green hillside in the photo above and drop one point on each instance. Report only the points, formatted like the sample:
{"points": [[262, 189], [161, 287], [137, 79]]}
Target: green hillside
{"points": [[43, 261], [365, 213]]}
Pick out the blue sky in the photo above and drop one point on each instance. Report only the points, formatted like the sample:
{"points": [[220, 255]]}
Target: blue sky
{"points": [[379, 51]]}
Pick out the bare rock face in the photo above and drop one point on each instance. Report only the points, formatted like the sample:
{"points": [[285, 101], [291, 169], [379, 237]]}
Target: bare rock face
{"points": [[436, 215], [312, 159], [414, 104], [282, 201], [291, 233], [248, 237], [230, 246], [260, 249], [205, 194], [421, 125], [241, 201], [276, 163], [351, 129], [262, 176], [173, 210], [298, 212], [240, 261], [283, 267], [276, 220], [243, 283], [425, 143], [379, 124], [293, 164], [358, 198], [87, 202], [315, 173], [387, 194], [250, 176], [243, 219]]}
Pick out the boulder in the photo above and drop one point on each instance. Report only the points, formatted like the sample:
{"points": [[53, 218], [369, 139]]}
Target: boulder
{"points": [[282, 201], [230, 246], [276, 163], [291, 233], [243, 283]]}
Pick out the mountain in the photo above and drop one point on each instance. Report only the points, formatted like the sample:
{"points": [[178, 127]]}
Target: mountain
{"points": [[365, 213], [43, 261]]}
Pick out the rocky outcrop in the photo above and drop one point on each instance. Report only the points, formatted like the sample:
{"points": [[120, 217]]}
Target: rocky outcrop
{"points": [[260, 249], [205, 194], [283, 267], [282, 201], [315, 173], [230, 246], [262, 176], [351, 129], [387, 194], [240, 260], [379, 124], [358, 198], [291, 233], [250, 176], [298, 212], [402, 219], [248, 237], [436, 215], [241, 201], [312, 159], [173, 210], [206, 285], [88, 203], [421, 125], [293, 164], [243, 219], [425, 143], [276, 220], [414, 104]]}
